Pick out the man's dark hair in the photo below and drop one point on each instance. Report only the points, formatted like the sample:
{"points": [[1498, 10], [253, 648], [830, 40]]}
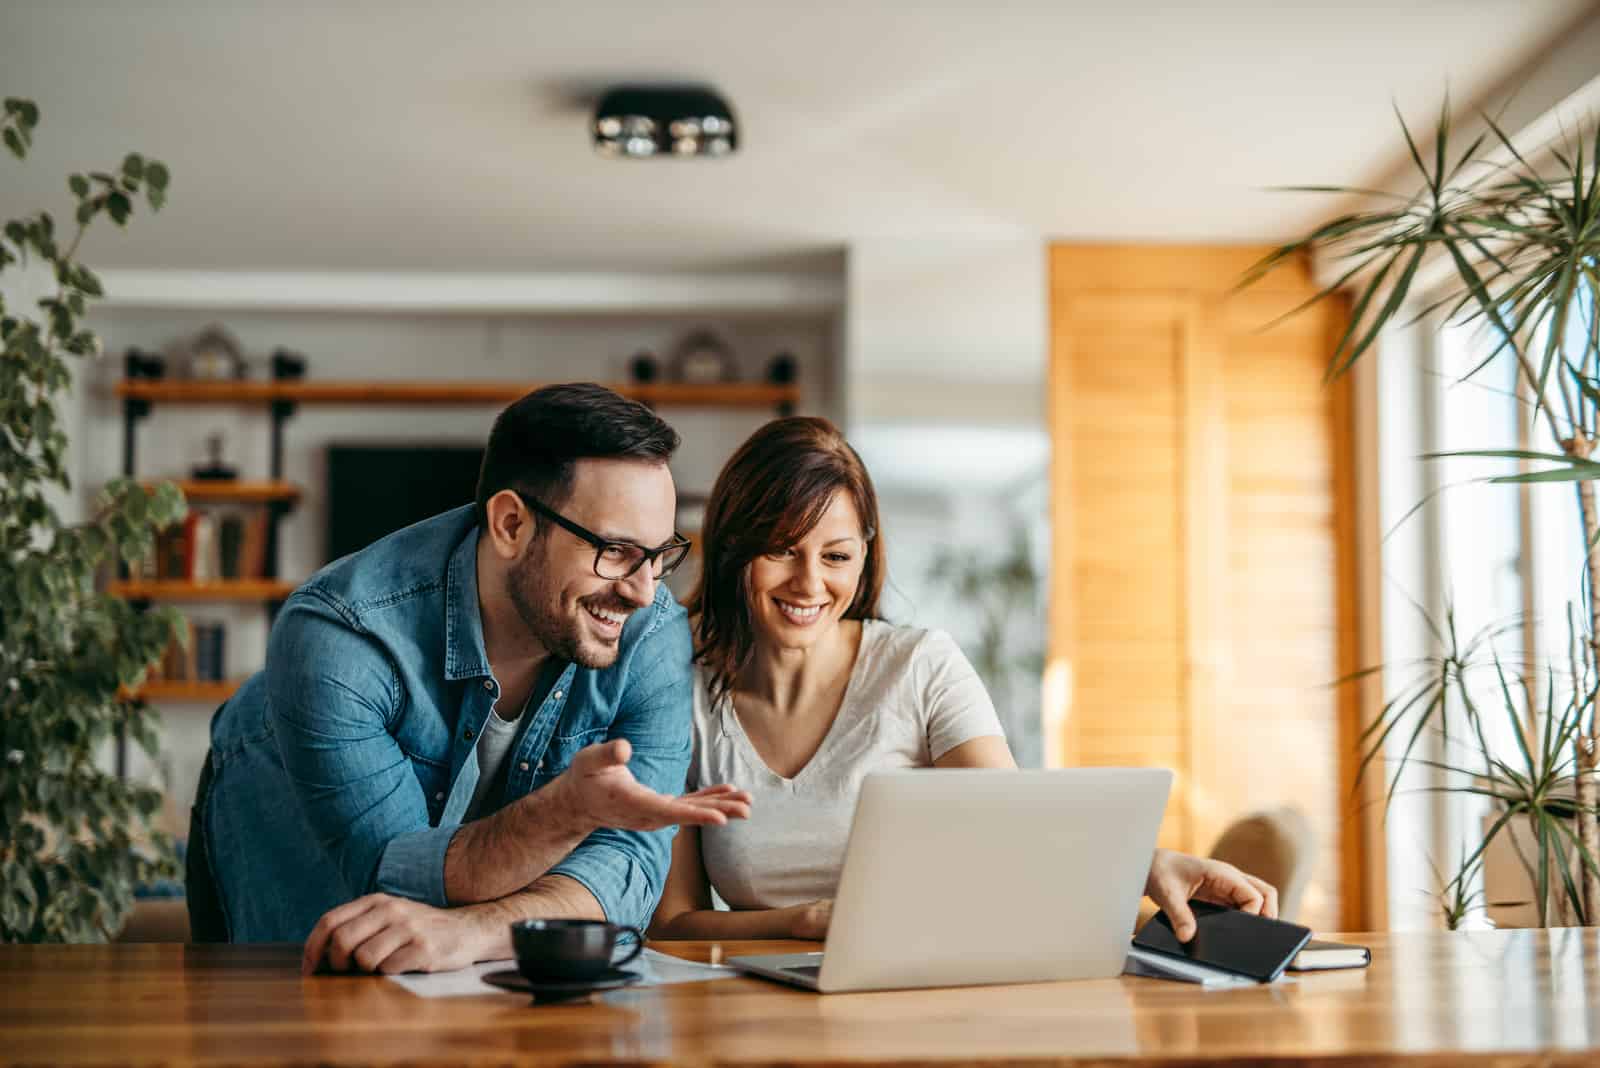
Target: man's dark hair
{"points": [[537, 439]]}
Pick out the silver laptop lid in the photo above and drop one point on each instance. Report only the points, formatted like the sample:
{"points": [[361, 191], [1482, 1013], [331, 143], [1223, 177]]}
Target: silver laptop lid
{"points": [[963, 877]]}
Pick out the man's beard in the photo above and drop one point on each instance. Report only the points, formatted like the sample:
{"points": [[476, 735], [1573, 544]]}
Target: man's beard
{"points": [[537, 604]]}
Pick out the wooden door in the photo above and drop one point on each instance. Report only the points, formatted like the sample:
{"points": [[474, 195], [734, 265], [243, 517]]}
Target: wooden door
{"points": [[1203, 589]]}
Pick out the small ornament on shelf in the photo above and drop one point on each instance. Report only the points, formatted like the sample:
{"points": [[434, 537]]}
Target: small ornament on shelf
{"points": [[644, 368], [783, 369], [213, 355], [702, 358], [287, 366], [140, 364], [214, 469]]}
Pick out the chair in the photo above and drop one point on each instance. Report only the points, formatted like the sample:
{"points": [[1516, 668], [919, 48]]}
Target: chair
{"points": [[156, 919], [1277, 845]]}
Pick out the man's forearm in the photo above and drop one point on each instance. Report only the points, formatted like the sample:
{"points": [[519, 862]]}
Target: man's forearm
{"points": [[495, 857], [551, 897]]}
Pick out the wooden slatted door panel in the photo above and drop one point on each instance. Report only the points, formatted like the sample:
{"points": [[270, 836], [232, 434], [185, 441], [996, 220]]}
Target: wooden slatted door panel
{"points": [[1197, 612], [1119, 595]]}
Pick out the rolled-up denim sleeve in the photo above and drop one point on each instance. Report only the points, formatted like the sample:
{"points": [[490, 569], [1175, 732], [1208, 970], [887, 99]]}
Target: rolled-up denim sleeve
{"points": [[333, 695], [626, 870]]}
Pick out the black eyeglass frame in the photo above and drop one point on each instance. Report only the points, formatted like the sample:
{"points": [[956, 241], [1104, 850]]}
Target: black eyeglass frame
{"points": [[678, 544]]}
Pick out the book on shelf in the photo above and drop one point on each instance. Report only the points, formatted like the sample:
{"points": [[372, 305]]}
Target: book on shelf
{"points": [[230, 539], [208, 547], [204, 558], [253, 545], [200, 658], [210, 647], [177, 664]]}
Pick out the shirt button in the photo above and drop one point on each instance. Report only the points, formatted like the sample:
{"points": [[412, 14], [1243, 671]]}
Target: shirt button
{"points": [[439, 796], [541, 766], [556, 696], [488, 684], [523, 765], [467, 734]]}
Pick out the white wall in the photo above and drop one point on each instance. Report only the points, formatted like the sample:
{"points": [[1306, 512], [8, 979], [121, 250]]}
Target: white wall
{"points": [[362, 345], [945, 383]]}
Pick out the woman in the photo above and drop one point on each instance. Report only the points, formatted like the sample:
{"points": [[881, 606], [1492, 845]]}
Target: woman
{"points": [[802, 690]]}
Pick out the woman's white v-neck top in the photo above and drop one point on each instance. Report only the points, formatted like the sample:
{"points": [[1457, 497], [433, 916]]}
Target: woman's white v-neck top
{"points": [[911, 698]]}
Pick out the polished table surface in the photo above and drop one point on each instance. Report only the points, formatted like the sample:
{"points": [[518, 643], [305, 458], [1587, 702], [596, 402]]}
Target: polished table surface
{"points": [[1487, 998]]}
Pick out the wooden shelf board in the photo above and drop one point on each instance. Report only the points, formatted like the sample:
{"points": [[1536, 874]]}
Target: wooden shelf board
{"points": [[715, 395], [187, 690], [235, 490], [182, 590]]}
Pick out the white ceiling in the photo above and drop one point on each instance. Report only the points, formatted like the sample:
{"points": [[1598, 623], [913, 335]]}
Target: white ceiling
{"points": [[445, 137]]}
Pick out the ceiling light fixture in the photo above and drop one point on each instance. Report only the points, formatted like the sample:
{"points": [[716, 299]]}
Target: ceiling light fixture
{"points": [[637, 122]]}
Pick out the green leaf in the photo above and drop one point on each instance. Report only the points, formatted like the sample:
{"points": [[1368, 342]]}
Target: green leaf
{"points": [[89, 282], [156, 174], [157, 198], [133, 166], [119, 208], [79, 185]]}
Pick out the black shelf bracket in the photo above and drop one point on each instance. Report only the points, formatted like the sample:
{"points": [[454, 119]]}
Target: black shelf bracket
{"points": [[282, 411]]}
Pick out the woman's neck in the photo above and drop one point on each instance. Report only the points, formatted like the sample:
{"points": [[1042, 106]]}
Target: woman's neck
{"points": [[788, 681]]}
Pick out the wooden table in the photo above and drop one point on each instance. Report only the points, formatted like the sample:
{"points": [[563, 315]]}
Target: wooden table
{"points": [[1493, 998]]}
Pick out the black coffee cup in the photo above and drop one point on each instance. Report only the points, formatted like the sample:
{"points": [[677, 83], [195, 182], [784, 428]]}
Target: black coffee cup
{"points": [[568, 950]]}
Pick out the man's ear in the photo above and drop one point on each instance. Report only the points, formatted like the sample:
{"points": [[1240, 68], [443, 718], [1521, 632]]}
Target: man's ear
{"points": [[511, 526]]}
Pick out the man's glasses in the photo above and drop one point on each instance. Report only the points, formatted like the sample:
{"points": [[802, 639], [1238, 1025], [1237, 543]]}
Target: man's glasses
{"points": [[618, 559]]}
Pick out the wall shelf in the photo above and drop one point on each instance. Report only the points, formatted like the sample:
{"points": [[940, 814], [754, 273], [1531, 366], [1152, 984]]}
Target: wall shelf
{"points": [[183, 590], [753, 395], [236, 491], [186, 690]]}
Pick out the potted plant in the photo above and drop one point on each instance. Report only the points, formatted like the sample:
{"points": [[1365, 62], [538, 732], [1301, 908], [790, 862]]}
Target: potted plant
{"points": [[74, 839], [1522, 242]]}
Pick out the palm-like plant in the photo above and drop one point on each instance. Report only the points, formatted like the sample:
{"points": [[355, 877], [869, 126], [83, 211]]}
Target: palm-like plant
{"points": [[1523, 241]]}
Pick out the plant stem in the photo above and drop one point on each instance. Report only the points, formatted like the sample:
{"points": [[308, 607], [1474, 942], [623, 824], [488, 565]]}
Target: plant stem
{"points": [[1586, 743]]}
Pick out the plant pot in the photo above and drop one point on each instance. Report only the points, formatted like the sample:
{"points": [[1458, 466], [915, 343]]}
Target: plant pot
{"points": [[1509, 892]]}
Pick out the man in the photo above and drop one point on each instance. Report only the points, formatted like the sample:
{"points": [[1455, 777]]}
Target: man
{"points": [[478, 719]]}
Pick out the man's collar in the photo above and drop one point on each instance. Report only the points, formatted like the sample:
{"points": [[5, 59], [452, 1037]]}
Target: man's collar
{"points": [[464, 654]]}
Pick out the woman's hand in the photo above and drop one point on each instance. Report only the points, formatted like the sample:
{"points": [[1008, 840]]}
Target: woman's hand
{"points": [[811, 920], [1177, 877]]}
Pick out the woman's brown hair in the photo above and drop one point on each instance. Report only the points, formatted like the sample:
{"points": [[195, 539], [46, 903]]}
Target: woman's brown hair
{"points": [[769, 496]]}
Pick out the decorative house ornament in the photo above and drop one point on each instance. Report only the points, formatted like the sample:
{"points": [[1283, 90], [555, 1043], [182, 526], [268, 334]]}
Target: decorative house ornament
{"points": [[139, 364], [644, 368], [641, 121], [703, 358], [783, 369], [214, 353], [215, 468]]}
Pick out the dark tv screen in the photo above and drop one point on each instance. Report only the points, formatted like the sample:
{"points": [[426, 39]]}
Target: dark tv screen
{"points": [[374, 490]]}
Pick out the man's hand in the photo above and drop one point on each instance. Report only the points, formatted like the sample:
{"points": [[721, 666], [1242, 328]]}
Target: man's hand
{"points": [[383, 933], [604, 793], [1177, 877]]}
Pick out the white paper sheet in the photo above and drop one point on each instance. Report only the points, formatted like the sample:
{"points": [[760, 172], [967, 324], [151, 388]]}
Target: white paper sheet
{"points": [[1155, 966], [658, 969]]}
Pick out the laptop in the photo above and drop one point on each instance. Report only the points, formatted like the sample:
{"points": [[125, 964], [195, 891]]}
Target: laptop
{"points": [[966, 877]]}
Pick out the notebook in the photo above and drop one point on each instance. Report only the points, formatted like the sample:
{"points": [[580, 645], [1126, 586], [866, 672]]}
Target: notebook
{"points": [[1321, 956]]}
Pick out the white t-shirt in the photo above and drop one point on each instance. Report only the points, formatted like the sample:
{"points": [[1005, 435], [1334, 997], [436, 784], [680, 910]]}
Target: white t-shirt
{"points": [[911, 698]]}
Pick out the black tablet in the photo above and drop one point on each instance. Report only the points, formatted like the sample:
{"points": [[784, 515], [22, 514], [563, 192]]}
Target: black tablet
{"points": [[1228, 940]]}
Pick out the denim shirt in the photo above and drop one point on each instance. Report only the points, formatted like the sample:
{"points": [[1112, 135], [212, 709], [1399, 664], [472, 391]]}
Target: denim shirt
{"points": [[346, 765]]}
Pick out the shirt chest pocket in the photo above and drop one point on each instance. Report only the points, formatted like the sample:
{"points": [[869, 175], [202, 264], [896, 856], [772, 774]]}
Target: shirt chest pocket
{"points": [[562, 748], [435, 782]]}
